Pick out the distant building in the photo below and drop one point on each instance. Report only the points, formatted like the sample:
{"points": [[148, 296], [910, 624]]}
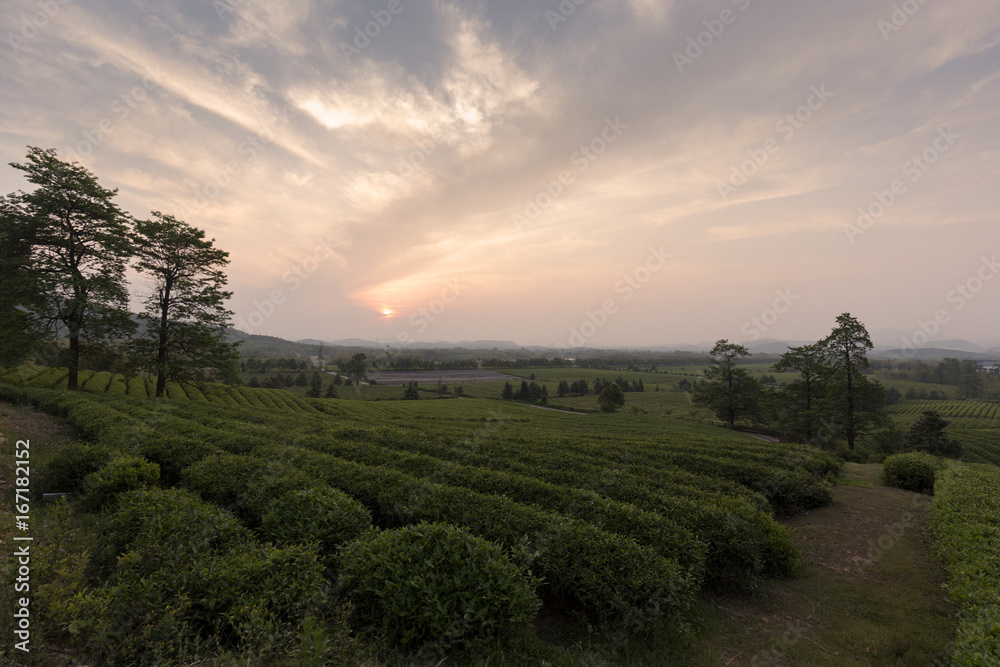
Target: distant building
{"points": [[988, 366]]}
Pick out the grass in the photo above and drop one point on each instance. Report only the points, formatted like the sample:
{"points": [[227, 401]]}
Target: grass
{"points": [[892, 611]]}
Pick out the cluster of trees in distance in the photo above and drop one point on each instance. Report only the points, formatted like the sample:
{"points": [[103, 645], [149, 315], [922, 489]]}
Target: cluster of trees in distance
{"points": [[64, 250], [833, 396]]}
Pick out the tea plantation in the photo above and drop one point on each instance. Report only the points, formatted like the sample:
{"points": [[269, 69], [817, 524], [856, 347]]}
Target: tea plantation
{"points": [[255, 522]]}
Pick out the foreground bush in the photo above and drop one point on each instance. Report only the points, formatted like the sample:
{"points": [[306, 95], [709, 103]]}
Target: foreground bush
{"points": [[66, 470], [965, 515], [177, 578], [326, 516], [435, 587], [125, 473], [914, 471], [243, 484]]}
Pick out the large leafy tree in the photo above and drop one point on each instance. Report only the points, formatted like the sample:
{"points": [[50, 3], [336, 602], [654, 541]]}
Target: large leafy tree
{"points": [[184, 314], [800, 400], [928, 435], [728, 390], [357, 368], [611, 398], [65, 249], [853, 402]]}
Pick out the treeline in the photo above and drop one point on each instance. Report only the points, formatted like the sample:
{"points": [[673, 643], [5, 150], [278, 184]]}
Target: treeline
{"points": [[582, 387], [255, 365], [529, 393], [65, 248], [415, 364], [834, 397], [961, 373]]}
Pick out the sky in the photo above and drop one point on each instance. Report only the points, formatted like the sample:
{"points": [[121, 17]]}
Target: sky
{"points": [[578, 173]]}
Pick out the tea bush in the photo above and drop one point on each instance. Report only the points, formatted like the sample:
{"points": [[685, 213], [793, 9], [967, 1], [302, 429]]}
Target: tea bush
{"points": [[913, 471], [435, 588], [326, 516], [66, 470], [965, 515], [124, 473]]}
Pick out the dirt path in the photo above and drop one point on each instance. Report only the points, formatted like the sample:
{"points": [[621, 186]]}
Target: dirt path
{"points": [[870, 594]]}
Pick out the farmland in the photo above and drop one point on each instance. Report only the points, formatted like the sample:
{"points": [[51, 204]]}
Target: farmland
{"points": [[624, 522]]}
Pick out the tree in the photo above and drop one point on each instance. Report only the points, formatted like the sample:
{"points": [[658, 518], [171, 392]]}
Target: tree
{"points": [[563, 388], [854, 402], [927, 435], [611, 398], [65, 249], [508, 392], [331, 391], [970, 380], [801, 398], [893, 396], [728, 390], [185, 317], [357, 368], [315, 385], [411, 393]]}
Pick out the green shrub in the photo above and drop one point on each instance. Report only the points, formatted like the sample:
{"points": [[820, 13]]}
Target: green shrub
{"points": [[326, 516], [121, 474], [66, 470], [249, 599], [165, 526], [965, 516], [173, 454], [244, 485], [913, 471], [435, 587]]}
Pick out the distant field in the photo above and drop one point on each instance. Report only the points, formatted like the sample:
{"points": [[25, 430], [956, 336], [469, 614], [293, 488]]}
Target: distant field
{"points": [[428, 378]]}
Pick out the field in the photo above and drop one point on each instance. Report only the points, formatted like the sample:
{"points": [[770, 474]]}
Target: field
{"points": [[627, 520]]}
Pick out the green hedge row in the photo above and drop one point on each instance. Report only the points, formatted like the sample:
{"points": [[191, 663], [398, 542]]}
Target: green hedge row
{"points": [[618, 579], [667, 537], [176, 577], [744, 543], [965, 515]]}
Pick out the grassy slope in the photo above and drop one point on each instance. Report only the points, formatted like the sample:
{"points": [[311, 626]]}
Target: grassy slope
{"points": [[844, 610]]}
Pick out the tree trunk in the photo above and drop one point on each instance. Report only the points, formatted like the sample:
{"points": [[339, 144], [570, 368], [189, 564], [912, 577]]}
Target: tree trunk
{"points": [[74, 362], [850, 406], [161, 351]]}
